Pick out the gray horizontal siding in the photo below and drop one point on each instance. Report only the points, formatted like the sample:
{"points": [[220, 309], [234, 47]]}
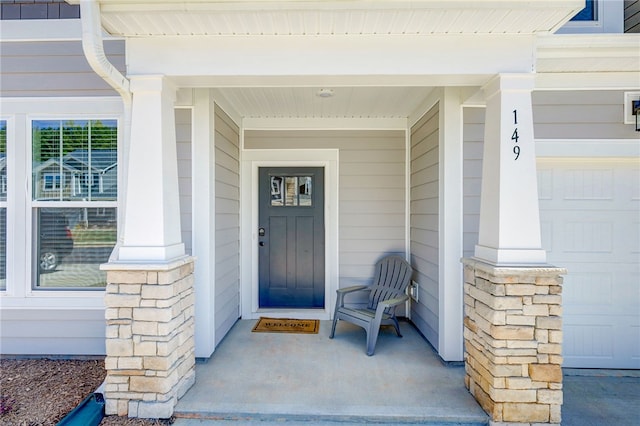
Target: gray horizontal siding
{"points": [[371, 191], [183, 141], [473, 133], [424, 222], [52, 332], [580, 115], [54, 68], [227, 224]]}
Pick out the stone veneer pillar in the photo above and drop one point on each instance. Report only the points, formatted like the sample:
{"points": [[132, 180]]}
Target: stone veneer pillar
{"points": [[150, 359], [513, 341]]}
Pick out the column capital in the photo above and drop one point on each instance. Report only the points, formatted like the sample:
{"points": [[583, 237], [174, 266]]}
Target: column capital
{"points": [[152, 83], [508, 82]]}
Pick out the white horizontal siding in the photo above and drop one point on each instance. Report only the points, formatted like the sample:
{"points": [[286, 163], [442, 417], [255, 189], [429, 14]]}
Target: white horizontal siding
{"points": [[424, 222], [371, 191], [54, 68], [227, 228]]}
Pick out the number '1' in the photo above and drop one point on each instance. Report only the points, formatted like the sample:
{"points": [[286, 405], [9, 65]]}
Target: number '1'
{"points": [[515, 116]]}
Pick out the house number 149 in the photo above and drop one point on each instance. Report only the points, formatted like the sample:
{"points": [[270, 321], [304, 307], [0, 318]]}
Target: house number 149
{"points": [[514, 135]]}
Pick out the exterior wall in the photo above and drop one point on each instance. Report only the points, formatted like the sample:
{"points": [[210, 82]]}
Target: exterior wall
{"points": [[52, 331], [473, 133], [371, 191], [424, 222], [44, 322], [580, 115], [47, 322], [632, 16], [227, 205], [571, 117], [53, 68], [183, 141]]}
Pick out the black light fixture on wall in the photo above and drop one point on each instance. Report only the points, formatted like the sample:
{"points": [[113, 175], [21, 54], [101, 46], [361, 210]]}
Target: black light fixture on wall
{"points": [[635, 111]]}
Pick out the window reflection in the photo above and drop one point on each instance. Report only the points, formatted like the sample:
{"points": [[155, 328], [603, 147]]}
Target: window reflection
{"points": [[291, 191], [71, 244]]}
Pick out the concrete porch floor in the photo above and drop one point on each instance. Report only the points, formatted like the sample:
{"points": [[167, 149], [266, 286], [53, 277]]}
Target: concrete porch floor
{"points": [[299, 378]]}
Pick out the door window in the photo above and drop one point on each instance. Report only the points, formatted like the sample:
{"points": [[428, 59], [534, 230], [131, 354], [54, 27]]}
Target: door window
{"points": [[291, 191]]}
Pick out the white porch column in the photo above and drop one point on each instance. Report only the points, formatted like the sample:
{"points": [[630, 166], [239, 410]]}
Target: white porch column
{"points": [[450, 298], [509, 231], [149, 298], [152, 216]]}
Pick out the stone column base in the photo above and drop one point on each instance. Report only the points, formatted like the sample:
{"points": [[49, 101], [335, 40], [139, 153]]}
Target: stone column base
{"points": [[150, 344], [513, 341]]}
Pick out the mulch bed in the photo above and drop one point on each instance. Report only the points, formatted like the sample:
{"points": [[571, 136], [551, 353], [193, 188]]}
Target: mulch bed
{"points": [[40, 392]]}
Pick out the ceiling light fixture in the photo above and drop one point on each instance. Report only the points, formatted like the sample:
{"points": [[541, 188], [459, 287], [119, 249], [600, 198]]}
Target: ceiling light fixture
{"points": [[325, 93]]}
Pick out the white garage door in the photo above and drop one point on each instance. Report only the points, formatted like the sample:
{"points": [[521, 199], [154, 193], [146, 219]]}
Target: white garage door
{"points": [[590, 215]]}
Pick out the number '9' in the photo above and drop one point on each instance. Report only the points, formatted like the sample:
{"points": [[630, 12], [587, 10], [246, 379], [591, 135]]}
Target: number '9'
{"points": [[516, 151]]}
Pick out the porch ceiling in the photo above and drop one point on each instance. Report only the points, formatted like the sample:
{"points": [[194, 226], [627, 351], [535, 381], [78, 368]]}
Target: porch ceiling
{"points": [[345, 102], [334, 17]]}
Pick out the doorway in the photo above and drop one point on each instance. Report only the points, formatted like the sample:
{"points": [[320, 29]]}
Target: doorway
{"points": [[291, 242], [252, 161]]}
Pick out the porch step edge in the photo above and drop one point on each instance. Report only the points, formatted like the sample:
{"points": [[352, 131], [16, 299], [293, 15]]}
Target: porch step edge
{"points": [[453, 420]]}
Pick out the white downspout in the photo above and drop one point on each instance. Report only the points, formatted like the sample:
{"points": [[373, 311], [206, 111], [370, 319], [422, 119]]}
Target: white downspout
{"points": [[93, 47]]}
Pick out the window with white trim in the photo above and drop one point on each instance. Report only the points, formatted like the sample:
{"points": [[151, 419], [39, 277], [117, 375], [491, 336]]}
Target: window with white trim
{"points": [[74, 200], [3, 205]]}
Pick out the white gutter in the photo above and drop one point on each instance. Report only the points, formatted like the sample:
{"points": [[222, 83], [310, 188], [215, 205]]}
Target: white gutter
{"points": [[93, 47]]}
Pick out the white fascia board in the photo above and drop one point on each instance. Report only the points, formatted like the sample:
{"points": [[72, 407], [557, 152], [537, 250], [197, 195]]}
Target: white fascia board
{"points": [[380, 80], [148, 5], [588, 81], [325, 123], [588, 53], [290, 56]]}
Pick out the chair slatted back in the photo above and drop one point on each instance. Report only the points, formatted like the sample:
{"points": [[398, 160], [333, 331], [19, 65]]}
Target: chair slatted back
{"points": [[391, 278]]}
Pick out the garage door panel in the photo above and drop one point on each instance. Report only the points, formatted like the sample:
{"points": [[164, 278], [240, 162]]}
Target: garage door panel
{"points": [[589, 237], [601, 341], [613, 292], [590, 224], [588, 340], [583, 290]]}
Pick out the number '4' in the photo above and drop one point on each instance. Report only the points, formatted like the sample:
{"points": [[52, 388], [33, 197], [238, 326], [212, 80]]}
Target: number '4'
{"points": [[514, 136]]}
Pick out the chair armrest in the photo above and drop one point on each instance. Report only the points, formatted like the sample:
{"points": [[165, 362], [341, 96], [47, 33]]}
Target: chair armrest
{"points": [[352, 289], [344, 291], [393, 302]]}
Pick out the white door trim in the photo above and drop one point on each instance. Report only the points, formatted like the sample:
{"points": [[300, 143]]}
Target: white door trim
{"points": [[251, 161]]}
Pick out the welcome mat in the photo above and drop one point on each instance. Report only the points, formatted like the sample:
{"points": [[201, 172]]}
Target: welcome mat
{"points": [[286, 325]]}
